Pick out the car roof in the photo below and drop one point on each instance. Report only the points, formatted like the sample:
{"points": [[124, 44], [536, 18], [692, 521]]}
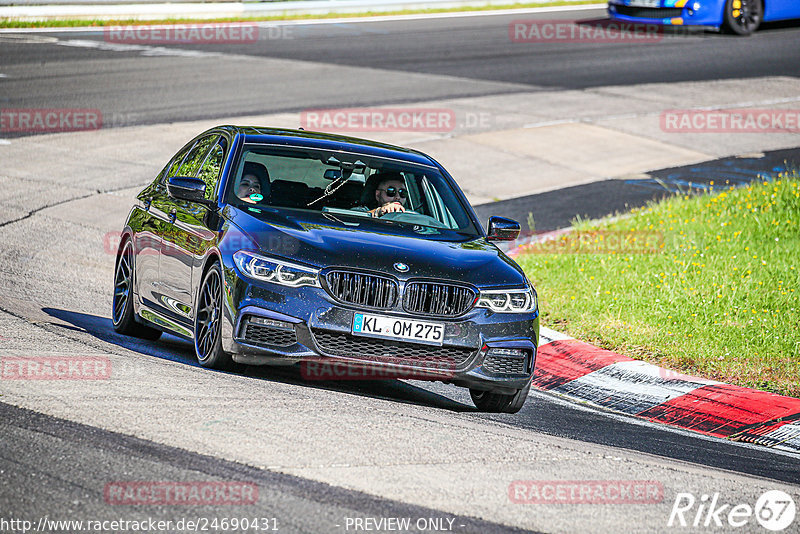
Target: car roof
{"points": [[327, 141]]}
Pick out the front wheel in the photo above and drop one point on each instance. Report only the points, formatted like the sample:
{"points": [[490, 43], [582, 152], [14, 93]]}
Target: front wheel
{"points": [[122, 315], [207, 321], [743, 17], [487, 401]]}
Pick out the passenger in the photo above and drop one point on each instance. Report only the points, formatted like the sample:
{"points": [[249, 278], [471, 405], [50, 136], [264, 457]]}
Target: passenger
{"points": [[254, 183], [390, 194]]}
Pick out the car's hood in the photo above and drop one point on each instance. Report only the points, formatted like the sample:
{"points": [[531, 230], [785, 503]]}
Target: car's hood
{"points": [[366, 244]]}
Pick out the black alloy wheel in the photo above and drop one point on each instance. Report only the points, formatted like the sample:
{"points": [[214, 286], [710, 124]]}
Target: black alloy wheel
{"points": [[491, 402], [122, 315], [208, 321]]}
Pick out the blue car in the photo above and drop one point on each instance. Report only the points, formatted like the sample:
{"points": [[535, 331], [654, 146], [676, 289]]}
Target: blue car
{"points": [[276, 247], [741, 17]]}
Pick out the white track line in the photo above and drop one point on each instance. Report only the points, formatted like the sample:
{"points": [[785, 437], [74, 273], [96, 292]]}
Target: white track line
{"points": [[548, 336]]}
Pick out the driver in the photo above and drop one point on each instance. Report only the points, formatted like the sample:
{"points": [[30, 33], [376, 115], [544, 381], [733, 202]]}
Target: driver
{"points": [[391, 194], [254, 183]]}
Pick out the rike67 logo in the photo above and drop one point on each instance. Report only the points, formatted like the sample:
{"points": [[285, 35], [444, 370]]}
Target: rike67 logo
{"points": [[775, 510]]}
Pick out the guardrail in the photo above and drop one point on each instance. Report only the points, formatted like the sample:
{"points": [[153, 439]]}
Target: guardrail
{"points": [[300, 6], [143, 10]]}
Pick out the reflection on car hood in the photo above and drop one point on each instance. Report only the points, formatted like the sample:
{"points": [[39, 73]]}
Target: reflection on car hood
{"points": [[313, 239]]}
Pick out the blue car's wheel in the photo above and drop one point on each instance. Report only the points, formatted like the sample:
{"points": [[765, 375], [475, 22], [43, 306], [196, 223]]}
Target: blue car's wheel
{"points": [[743, 17], [207, 321], [488, 401], [122, 315]]}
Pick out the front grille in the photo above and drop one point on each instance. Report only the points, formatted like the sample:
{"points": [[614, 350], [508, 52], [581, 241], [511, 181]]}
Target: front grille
{"points": [[362, 289], [649, 12], [432, 298], [505, 365], [266, 335], [384, 351]]}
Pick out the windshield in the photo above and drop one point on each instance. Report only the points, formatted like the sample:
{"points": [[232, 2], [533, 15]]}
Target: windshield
{"points": [[343, 184]]}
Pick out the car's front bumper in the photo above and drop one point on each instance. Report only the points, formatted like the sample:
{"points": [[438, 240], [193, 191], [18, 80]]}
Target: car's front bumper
{"points": [[272, 325], [667, 13]]}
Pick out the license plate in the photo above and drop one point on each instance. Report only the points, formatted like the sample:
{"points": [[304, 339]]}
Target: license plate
{"points": [[644, 3], [398, 329]]}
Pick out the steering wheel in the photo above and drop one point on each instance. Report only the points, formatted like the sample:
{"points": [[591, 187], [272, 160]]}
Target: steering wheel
{"points": [[394, 214], [413, 217]]}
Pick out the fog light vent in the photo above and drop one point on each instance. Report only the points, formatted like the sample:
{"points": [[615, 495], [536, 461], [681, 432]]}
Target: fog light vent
{"points": [[261, 331], [506, 361], [270, 322], [514, 353]]}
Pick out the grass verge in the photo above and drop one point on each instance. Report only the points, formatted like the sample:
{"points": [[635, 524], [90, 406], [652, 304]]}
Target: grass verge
{"points": [[64, 23], [717, 296]]}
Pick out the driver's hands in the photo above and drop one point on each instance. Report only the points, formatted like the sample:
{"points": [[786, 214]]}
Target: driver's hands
{"points": [[389, 207]]}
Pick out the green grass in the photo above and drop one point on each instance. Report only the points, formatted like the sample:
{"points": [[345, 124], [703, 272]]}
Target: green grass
{"points": [[718, 298], [12, 23]]}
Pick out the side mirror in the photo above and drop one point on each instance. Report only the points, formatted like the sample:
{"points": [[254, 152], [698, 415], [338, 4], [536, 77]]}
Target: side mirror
{"points": [[502, 229], [187, 188]]}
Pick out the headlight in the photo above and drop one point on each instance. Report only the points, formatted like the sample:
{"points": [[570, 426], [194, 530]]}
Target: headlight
{"points": [[508, 300], [275, 271]]}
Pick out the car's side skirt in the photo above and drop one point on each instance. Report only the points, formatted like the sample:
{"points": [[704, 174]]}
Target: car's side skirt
{"points": [[162, 323]]}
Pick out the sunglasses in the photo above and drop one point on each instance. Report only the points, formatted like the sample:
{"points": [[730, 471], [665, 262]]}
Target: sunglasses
{"points": [[393, 191]]}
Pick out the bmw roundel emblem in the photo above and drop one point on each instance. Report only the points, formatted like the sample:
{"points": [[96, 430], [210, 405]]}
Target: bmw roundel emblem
{"points": [[401, 267]]}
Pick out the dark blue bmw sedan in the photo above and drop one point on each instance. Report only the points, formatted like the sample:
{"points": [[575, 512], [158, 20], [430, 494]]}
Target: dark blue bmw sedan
{"points": [[276, 247]]}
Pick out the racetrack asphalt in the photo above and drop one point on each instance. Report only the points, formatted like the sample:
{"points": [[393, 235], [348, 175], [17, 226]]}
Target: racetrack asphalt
{"points": [[84, 460], [394, 62]]}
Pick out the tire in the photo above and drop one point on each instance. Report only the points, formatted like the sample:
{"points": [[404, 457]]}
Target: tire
{"points": [[743, 17], [122, 315], [487, 401], [207, 322]]}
